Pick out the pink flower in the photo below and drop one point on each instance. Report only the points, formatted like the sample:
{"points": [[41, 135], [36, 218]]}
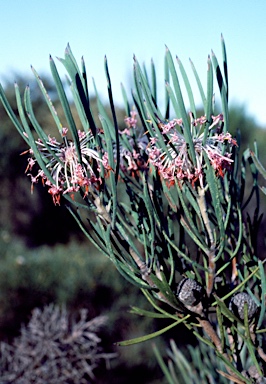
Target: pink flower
{"points": [[170, 125], [31, 163], [56, 194], [64, 131], [131, 121]]}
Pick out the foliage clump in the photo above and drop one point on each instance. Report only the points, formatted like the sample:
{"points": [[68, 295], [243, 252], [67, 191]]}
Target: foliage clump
{"points": [[54, 349]]}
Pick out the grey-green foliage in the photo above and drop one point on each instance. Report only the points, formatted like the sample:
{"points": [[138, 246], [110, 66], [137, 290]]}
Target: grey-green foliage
{"points": [[54, 348], [76, 276], [194, 365], [184, 197]]}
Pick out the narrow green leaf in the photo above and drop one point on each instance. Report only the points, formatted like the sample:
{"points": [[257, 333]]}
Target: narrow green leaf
{"points": [[98, 244], [184, 367], [201, 91], [153, 82], [163, 366], [148, 337], [203, 339], [221, 327], [137, 97], [122, 267], [154, 111], [71, 63], [225, 65], [213, 184], [177, 88], [29, 110], [240, 285], [79, 108], [164, 288], [66, 108], [258, 164], [188, 88], [183, 255], [263, 294], [209, 99], [22, 114], [108, 129], [190, 195], [190, 226], [30, 138], [110, 94], [48, 101], [84, 78], [104, 115], [181, 105], [80, 88], [40, 132], [167, 81], [231, 366], [11, 113], [223, 92], [142, 312], [224, 310]]}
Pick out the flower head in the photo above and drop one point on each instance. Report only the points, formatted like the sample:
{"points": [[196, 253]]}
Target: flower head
{"points": [[176, 163], [132, 148], [62, 161], [133, 159]]}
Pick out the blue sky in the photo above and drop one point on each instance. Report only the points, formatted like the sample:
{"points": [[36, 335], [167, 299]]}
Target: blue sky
{"points": [[33, 29]]}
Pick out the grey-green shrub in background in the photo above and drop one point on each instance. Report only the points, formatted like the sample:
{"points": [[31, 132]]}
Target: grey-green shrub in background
{"points": [[164, 199], [53, 348], [65, 276]]}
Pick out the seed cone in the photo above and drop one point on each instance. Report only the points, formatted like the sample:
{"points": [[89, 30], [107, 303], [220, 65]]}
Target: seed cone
{"points": [[189, 292], [237, 303]]}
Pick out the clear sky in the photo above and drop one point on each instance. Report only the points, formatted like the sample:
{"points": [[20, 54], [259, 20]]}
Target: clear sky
{"points": [[33, 29]]}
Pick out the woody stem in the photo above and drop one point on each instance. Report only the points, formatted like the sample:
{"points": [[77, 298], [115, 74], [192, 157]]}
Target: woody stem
{"points": [[211, 254]]}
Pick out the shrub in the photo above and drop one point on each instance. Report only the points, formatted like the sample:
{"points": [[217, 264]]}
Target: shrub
{"points": [[53, 349], [165, 199]]}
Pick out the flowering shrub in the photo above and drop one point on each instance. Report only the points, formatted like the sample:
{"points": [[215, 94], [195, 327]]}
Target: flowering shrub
{"points": [[163, 198]]}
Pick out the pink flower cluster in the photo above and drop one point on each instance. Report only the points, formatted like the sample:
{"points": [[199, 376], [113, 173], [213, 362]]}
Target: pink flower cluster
{"points": [[133, 157], [62, 162], [176, 164]]}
